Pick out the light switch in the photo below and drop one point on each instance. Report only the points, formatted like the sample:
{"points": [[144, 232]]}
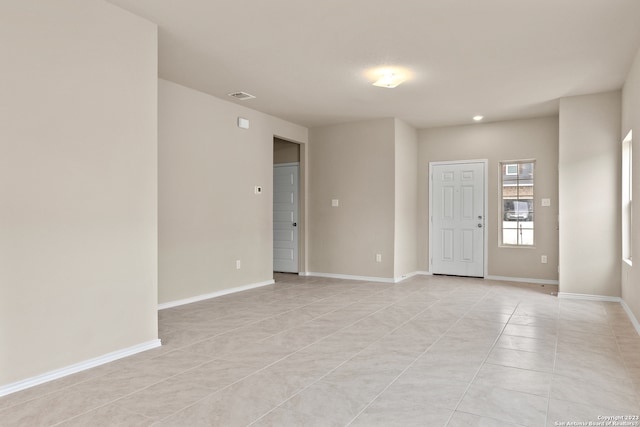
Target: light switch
{"points": [[335, 203], [546, 202]]}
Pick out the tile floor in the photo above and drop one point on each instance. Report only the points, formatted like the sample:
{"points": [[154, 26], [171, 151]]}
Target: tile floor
{"points": [[431, 351]]}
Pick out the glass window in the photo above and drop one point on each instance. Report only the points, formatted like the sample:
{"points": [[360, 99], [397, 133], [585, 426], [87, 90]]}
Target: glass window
{"points": [[517, 203], [627, 199]]}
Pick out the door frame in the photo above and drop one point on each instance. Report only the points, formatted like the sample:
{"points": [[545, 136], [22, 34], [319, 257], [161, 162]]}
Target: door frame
{"points": [[299, 219], [485, 162]]}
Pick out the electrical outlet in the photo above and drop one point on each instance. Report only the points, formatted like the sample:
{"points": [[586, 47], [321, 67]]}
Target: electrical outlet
{"points": [[237, 264], [378, 257], [543, 259]]}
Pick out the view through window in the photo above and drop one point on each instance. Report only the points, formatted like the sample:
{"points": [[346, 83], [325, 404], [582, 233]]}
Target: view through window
{"points": [[517, 215], [627, 200]]}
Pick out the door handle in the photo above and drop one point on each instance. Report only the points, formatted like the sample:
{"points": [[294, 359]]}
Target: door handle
{"points": [[295, 224], [479, 225]]}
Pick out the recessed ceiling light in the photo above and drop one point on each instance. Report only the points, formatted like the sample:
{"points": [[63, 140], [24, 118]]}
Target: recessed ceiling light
{"points": [[389, 80], [478, 118]]}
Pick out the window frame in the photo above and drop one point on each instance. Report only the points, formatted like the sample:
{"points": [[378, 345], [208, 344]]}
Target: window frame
{"points": [[627, 198], [504, 171]]}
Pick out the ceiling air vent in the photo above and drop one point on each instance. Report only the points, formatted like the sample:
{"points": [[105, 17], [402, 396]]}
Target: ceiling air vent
{"points": [[242, 96]]}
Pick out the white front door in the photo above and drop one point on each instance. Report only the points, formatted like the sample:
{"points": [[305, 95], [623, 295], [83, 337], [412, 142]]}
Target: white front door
{"points": [[457, 229], [285, 218]]}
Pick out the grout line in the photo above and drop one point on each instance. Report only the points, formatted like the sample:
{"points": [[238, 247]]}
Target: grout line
{"points": [[292, 353], [352, 357], [418, 357], [555, 357], [482, 364], [216, 358]]}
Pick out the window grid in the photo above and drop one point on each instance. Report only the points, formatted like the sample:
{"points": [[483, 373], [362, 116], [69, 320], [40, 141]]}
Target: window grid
{"points": [[517, 203]]}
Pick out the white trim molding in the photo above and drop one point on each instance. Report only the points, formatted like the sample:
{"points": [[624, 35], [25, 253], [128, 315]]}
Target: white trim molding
{"points": [[632, 317], [214, 294], [78, 367], [522, 280], [349, 277], [367, 278], [405, 277], [588, 297]]}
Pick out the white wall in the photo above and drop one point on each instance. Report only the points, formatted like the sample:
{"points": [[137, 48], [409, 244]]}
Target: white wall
{"points": [[406, 199], [631, 121], [78, 185], [500, 141], [590, 199], [209, 216]]}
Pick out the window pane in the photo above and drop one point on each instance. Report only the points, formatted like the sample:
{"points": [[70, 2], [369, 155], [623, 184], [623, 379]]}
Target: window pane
{"points": [[627, 203], [517, 213]]}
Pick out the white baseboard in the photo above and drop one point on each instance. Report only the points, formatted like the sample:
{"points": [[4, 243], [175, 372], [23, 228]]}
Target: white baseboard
{"points": [[214, 294], [366, 278], [349, 277], [632, 317], [405, 277], [588, 297], [78, 367], [522, 280]]}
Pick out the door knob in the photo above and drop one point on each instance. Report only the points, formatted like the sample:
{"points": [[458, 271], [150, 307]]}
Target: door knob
{"points": [[479, 225], [295, 224]]}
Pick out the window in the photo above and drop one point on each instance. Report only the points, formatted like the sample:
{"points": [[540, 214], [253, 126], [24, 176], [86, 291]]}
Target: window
{"points": [[627, 202], [516, 188], [511, 169]]}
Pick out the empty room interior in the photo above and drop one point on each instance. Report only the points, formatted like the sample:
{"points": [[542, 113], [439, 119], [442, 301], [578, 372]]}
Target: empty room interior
{"points": [[330, 213]]}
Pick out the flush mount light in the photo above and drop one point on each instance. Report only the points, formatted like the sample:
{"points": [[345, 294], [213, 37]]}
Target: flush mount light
{"points": [[242, 96], [389, 80], [478, 118]]}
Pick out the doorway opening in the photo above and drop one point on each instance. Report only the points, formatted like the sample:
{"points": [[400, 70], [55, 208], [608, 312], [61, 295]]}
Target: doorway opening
{"points": [[288, 214]]}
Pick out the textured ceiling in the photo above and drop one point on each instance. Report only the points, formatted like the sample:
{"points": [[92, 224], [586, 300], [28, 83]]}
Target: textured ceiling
{"points": [[308, 61]]}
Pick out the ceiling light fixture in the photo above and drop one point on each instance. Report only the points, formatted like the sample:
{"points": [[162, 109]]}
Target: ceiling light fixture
{"points": [[478, 118], [389, 80], [242, 96]]}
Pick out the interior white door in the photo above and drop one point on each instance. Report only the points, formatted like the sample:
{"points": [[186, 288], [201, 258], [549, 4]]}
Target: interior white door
{"points": [[457, 219], [285, 218]]}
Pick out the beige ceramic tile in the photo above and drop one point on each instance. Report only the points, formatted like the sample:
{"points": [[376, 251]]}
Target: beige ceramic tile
{"points": [[618, 395], [422, 388], [523, 380], [543, 362], [323, 404], [108, 416], [462, 419], [546, 346], [314, 351], [384, 413], [163, 399], [505, 405], [216, 374], [237, 405], [536, 332], [563, 412]]}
